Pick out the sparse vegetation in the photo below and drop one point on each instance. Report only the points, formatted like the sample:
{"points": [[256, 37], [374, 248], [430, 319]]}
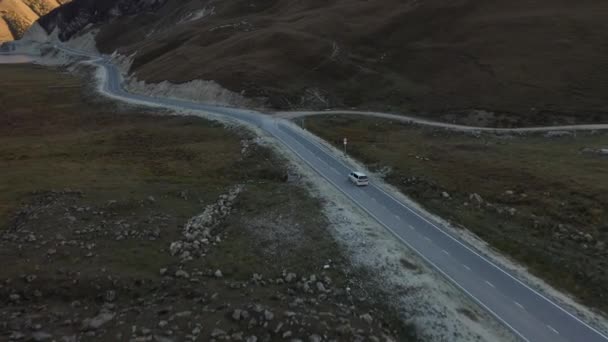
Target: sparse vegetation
{"points": [[93, 196], [540, 198]]}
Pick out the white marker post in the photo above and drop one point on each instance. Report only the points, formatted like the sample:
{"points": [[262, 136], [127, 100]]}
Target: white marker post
{"points": [[345, 142]]}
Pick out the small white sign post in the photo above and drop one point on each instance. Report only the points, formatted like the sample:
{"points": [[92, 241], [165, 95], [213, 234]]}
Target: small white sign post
{"points": [[345, 143]]}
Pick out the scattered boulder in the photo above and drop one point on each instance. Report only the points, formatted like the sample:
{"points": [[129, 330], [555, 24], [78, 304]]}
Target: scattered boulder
{"points": [[110, 296], [16, 335], [41, 336], [236, 315], [476, 198], [182, 274], [97, 321], [268, 315], [290, 277], [314, 338], [175, 247], [367, 318], [218, 333]]}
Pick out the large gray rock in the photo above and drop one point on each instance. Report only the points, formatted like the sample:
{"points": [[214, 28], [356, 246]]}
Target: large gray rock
{"points": [[39, 336], [97, 321], [476, 198]]}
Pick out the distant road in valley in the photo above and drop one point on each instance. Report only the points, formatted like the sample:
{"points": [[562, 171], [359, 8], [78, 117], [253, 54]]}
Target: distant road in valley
{"points": [[411, 119]]}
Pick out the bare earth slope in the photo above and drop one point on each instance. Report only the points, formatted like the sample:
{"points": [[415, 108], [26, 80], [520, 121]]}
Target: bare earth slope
{"points": [[5, 32], [528, 61], [16, 16]]}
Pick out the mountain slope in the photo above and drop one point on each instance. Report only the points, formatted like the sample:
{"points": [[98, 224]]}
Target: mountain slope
{"points": [[5, 32], [530, 61], [16, 16]]}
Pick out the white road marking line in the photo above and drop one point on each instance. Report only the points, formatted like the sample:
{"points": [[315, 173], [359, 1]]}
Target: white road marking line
{"points": [[447, 276], [521, 306], [373, 199], [427, 238], [552, 329], [467, 267], [499, 269], [492, 285], [411, 227], [446, 252], [398, 217]]}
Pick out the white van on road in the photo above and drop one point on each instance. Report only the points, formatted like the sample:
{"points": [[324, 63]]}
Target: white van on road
{"points": [[358, 178]]}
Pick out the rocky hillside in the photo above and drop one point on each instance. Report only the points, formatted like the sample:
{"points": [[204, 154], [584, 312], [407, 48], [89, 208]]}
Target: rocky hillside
{"points": [[523, 62], [16, 16]]}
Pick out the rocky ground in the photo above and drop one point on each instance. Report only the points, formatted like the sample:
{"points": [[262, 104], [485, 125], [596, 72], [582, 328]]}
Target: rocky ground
{"points": [[121, 225], [77, 270]]}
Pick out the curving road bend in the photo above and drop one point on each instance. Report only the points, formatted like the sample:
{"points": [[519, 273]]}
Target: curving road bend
{"points": [[527, 313]]}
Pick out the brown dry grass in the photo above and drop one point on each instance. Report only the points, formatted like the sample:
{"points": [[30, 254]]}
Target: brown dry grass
{"points": [[55, 135], [531, 62]]}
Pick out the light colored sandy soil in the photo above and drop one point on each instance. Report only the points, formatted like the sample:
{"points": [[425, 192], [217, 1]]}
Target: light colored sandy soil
{"points": [[19, 7], [5, 32]]}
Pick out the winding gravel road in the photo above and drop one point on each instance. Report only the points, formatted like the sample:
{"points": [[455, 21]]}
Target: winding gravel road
{"points": [[529, 314]]}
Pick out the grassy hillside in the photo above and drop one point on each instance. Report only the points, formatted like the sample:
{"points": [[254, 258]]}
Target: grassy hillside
{"points": [[94, 197], [520, 62], [540, 61]]}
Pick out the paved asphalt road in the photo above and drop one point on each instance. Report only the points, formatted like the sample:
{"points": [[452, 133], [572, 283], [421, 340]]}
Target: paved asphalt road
{"points": [[526, 312]]}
